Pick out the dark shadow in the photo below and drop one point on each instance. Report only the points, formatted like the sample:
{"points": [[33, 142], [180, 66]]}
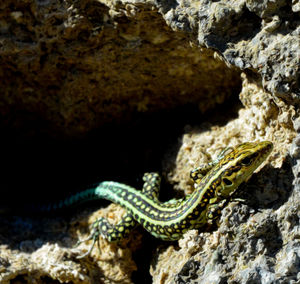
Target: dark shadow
{"points": [[42, 170], [242, 27], [144, 257], [270, 188], [245, 27], [188, 272], [289, 20], [39, 170]]}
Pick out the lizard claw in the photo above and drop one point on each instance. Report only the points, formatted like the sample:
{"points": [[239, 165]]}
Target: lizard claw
{"points": [[94, 235], [89, 251]]}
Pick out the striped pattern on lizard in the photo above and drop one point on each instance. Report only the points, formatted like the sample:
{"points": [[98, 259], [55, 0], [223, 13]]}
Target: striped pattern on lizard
{"points": [[214, 184]]}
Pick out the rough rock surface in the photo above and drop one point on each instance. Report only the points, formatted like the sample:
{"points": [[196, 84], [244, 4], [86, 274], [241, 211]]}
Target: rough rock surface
{"points": [[39, 252], [254, 241], [69, 67], [259, 35], [76, 65]]}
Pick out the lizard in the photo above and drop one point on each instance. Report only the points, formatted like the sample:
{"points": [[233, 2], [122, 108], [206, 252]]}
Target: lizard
{"points": [[214, 183]]}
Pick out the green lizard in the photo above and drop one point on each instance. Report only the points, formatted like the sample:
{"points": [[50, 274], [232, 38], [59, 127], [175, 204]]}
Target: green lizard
{"points": [[214, 184]]}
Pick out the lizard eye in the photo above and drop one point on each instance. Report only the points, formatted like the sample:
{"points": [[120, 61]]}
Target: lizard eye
{"points": [[227, 181], [246, 161]]}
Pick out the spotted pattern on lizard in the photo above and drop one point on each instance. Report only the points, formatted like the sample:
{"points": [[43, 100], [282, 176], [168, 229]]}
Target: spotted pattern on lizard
{"points": [[214, 184]]}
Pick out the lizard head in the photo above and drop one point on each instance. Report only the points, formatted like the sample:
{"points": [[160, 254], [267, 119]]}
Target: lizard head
{"points": [[239, 164]]}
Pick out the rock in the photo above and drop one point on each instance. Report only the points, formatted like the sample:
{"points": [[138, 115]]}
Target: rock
{"points": [[70, 69]]}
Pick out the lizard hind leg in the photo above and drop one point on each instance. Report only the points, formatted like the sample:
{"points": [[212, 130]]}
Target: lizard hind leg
{"points": [[115, 233], [151, 185], [112, 233]]}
